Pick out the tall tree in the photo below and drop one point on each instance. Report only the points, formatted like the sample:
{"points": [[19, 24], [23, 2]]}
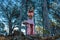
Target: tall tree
{"points": [[45, 16]]}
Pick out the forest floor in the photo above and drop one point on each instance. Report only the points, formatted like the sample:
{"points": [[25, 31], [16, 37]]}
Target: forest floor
{"points": [[29, 38]]}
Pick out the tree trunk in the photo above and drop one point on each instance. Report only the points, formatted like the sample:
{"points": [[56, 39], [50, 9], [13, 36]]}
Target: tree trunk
{"points": [[10, 27], [45, 16]]}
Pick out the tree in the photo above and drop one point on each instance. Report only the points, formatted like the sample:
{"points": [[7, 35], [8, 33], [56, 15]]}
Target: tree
{"points": [[10, 13], [45, 16], [53, 7]]}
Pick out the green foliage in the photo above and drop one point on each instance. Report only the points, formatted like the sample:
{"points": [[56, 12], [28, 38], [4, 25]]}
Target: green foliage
{"points": [[46, 32], [15, 13]]}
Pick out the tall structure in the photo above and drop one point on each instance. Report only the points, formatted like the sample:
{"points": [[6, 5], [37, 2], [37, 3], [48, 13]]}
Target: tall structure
{"points": [[46, 22]]}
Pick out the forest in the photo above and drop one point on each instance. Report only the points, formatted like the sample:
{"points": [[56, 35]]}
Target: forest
{"points": [[46, 16]]}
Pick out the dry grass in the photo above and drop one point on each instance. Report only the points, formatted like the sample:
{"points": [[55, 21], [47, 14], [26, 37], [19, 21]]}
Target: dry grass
{"points": [[2, 38]]}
